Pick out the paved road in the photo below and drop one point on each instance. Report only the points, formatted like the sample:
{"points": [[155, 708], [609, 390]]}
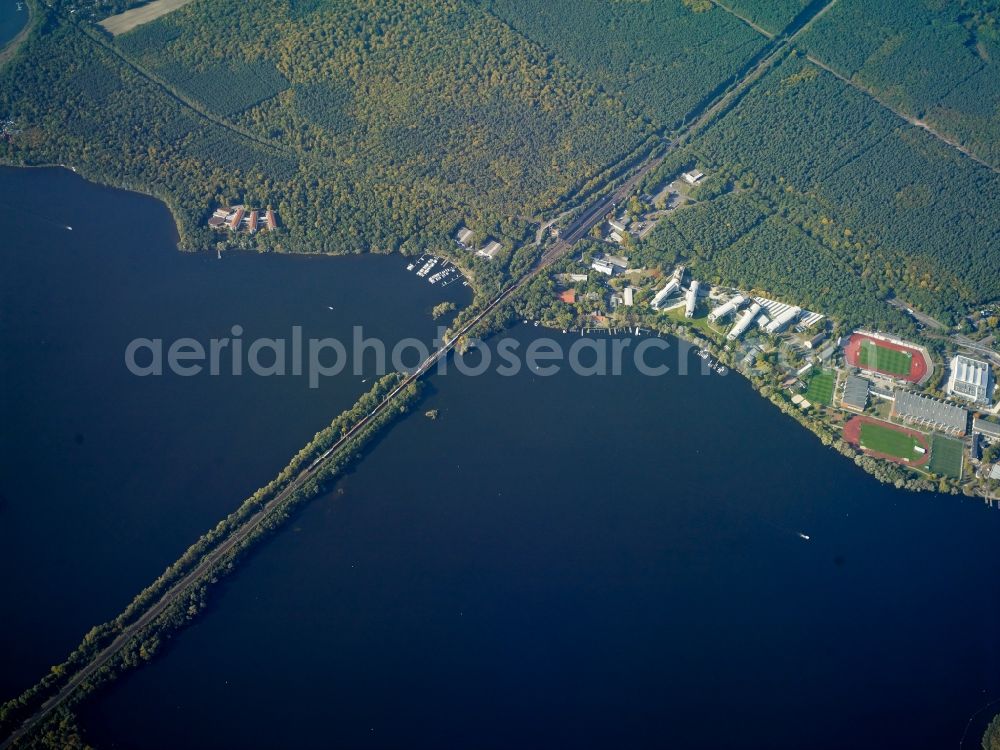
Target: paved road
{"points": [[940, 330]]}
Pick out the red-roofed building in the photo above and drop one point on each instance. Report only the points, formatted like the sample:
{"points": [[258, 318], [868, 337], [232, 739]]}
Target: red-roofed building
{"points": [[236, 218]]}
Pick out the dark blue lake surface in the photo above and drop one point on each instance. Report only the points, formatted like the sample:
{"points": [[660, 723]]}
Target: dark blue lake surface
{"points": [[597, 562], [564, 561], [105, 478], [13, 16]]}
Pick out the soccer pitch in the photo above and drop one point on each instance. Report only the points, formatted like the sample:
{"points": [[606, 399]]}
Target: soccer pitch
{"points": [[946, 456], [820, 390], [884, 359], [889, 442]]}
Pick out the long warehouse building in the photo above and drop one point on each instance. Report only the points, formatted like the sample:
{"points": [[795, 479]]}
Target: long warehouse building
{"points": [[744, 322], [783, 320], [729, 307], [692, 299], [672, 286], [930, 412]]}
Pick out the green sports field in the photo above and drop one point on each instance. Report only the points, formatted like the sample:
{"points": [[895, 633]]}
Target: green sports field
{"points": [[883, 359], [820, 390], [890, 442], [946, 456]]}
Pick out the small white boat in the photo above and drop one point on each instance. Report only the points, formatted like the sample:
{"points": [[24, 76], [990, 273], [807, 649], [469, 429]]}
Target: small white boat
{"points": [[804, 536], [69, 228], [329, 307]]}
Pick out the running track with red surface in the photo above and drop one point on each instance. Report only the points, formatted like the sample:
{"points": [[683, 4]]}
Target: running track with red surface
{"points": [[918, 364], [852, 435]]}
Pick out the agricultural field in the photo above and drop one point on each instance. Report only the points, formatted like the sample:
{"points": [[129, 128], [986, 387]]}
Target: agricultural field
{"points": [[880, 358], [820, 388], [636, 50], [891, 206], [131, 19], [946, 456], [939, 62]]}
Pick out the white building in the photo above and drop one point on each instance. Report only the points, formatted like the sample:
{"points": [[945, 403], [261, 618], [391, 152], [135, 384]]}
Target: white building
{"points": [[629, 296], [661, 296], [970, 379], [780, 323], [464, 237], [603, 266], [726, 309], [490, 249], [744, 322], [691, 301], [618, 225], [692, 177]]}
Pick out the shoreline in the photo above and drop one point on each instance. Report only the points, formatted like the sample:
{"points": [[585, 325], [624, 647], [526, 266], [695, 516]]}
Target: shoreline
{"points": [[902, 477], [179, 237], [689, 336], [891, 473], [10, 49], [109, 186]]}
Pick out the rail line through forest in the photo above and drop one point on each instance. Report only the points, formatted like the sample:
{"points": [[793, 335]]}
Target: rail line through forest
{"points": [[576, 230]]}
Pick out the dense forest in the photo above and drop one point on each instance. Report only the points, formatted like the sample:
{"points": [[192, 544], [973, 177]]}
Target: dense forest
{"points": [[661, 57], [899, 210], [936, 61], [371, 127], [384, 126], [742, 239], [771, 15]]}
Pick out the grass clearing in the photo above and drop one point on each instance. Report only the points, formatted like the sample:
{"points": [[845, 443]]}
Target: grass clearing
{"points": [[946, 456], [883, 359]]}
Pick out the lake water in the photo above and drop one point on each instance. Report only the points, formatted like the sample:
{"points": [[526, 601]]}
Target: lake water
{"points": [[563, 561], [108, 477], [13, 16]]}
